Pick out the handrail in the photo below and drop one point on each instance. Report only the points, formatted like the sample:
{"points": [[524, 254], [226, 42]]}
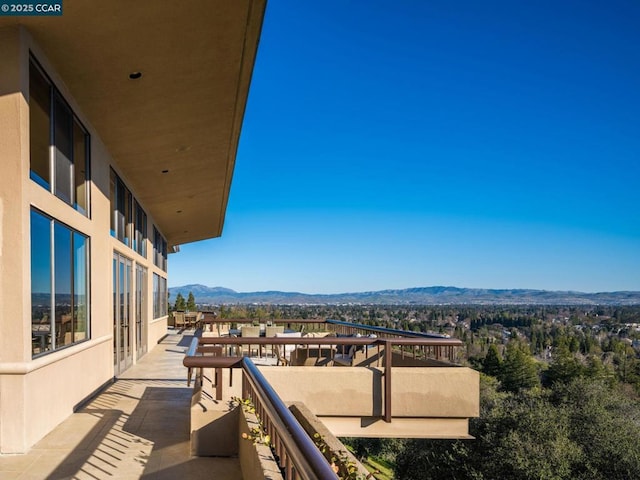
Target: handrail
{"points": [[384, 330], [319, 321], [193, 347], [300, 457], [443, 347], [278, 321], [435, 342]]}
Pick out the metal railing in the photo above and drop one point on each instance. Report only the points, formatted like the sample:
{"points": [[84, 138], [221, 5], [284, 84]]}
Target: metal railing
{"points": [[295, 451], [384, 356], [416, 345], [297, 454]]}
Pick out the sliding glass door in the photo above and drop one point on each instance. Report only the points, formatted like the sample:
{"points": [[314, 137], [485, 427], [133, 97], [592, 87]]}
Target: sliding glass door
{"points": [[141, 311], [122, 307]]}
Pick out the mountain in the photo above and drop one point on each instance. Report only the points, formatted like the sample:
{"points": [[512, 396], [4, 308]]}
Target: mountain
{"points": [[437, 295]]}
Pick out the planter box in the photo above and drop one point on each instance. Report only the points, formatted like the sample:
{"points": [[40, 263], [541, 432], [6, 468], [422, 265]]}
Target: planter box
{"points": [[216, 431], [256, 459]]}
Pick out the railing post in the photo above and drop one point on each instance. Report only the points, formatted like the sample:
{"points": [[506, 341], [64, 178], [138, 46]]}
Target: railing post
{"points": [[387, 379]]}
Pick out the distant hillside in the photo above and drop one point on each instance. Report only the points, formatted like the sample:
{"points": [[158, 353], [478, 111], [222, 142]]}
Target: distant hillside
{"points": [[416, 296]]}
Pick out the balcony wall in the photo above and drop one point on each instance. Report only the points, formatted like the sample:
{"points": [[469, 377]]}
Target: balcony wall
{"points": [[427, 402]]}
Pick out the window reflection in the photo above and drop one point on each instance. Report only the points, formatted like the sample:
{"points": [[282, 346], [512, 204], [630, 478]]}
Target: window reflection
{"points": [[41, 307], [59, 284], [39, 127], [59, 154]]}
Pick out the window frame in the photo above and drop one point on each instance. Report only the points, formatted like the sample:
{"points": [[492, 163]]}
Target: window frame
{"points": [[51, 329], [126, 214], [159, 249], [69, 190], [160, 299], [139, 229]]}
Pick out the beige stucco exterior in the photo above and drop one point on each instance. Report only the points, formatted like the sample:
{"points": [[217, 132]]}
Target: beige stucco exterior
{"points": [[426, 402], [36, 394]]}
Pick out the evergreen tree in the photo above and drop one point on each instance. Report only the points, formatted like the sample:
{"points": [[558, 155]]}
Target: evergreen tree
{"points": [[492, 363], [595, 369], [191, 303], [180, 304], [519, 369], [564, 366]]}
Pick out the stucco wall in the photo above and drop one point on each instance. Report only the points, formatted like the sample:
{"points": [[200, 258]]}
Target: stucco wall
{"points": [[356, 391], [37, 394]]}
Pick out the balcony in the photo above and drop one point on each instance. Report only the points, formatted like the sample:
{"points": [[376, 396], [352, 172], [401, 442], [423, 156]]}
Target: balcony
{"points": [[395, 384], [136, 427], [150, 423]]}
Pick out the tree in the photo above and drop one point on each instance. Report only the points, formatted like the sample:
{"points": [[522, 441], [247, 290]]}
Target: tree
{"points": [[595, 369], [191, 303], [422, 459], [587, 429], [564, 367], [519, 369], [518, 435], [605, 421], [527, 438], [492, 363], [384, 448], [180, 304]]}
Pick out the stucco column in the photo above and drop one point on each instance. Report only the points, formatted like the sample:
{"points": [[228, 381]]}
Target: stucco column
{"points": [[14, 237]]}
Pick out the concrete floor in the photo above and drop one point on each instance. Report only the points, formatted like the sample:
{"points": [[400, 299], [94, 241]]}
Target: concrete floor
{"points": [[136, 428]]}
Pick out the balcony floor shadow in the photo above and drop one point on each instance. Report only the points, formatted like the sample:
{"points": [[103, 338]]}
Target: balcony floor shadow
{"points": [[138, 427]]}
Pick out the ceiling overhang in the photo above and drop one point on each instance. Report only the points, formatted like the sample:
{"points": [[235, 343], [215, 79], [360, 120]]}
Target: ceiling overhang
{"points": [[172, 133]]}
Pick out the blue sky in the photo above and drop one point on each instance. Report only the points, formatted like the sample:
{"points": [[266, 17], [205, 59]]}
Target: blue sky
{"points": [[490, 144]]}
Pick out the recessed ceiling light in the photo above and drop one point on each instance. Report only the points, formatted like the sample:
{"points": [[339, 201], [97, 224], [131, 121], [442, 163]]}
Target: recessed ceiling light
{"points": [[135, 75]]}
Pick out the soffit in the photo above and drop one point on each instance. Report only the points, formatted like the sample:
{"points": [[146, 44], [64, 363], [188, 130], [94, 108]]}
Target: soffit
{"points": [[184, 115]]}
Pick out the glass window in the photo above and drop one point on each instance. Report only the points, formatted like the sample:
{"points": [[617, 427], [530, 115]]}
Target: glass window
{"points": [[63, 121], [160, 305], [120, 213], [114, 204], [128, 217], [81, 167], [62, 282], [59, 284], [58, 143], [156, 234], [140, 230], [156, 288], [39, 127], [41, 304], [159, 250], [123, 217], [80, 287]]}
